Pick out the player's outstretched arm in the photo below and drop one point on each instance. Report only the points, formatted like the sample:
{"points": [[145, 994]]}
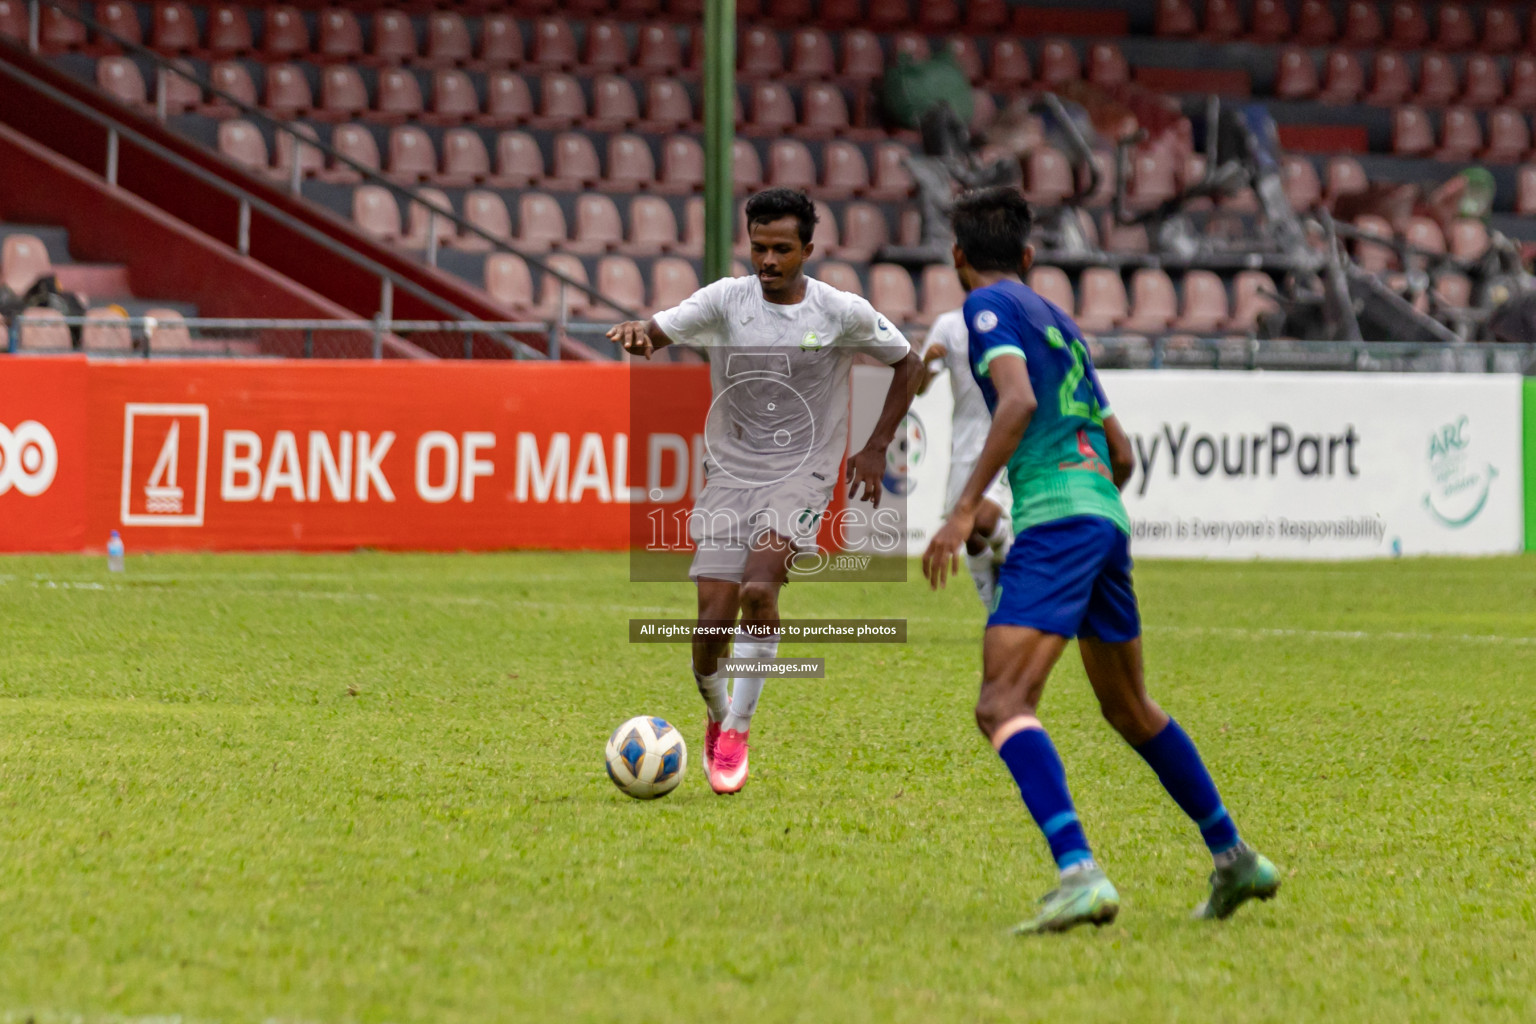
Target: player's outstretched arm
{"points": [[1016, 405], [867, 468], [1122, 459], [639, 337]]}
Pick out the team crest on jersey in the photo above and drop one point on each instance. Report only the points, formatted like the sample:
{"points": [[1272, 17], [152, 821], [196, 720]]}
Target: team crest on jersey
{"points": [[812, 340], [985, 321]]}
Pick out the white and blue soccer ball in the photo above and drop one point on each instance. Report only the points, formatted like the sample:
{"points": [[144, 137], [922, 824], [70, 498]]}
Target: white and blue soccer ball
{"points": [[646, 757]]}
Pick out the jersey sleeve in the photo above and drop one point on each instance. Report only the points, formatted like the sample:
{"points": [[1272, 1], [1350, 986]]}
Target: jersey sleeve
{"points": [[865, 328], [994, 330], [698, 319]]}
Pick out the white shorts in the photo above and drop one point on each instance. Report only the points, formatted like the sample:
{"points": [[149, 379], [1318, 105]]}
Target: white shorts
{"points": [[998, 492], [727, 521]]}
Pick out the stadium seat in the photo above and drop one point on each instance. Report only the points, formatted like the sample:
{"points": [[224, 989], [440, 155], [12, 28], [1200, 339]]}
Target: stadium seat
{"points": [[1345, 177], [845, 173], [561, 103], [839, 13], [1438, 83], [1296, 78], [284, 33], [453, 98], [229, 77], [243, 143], [692, 242], [630, 164], [887, 14], [1343, 78], [1047, 177], [1501, 29], [574, 165], [120, 79], [1461, 136], [1223, 21], [448, 39], [1175, 18], [772, 111], [863, 60], [942, 292], [968, 56], [1390, 80], [652, 228], [540, 223], [508, 282], [811, 54], [1412, 134], [341, 37], [682, 165], [1315, 24], [982, 16], [659, 50], [1271, 22], [673, 280], [606, 48], [487, 211], [121, 20], [399, 95], [1522, 81], [864, 232], [1469, 238], [172, 28], [746, 166], [1409, 29], [465, 158], [910, 44], [1107, 67], [597, 226], [48, 336], [1153, 177], [826, 236], [1525, 190], [501, 41], [229, 29], [984, 111], [507, 99], [357, 143], [1302, 186], [23, 259], [1453, 290], [1453, 28], [619, 279], [1052, 285], [1362, 25], [825, 111], [668, 107], [394, 37], [1204, 306], [1509, 136], [790, 164], [423, 221], [1101, 303], [106, 330], [1252, 291], [1374, 257], [412, 157], [342, 93], [554, 44], [614, 104], [287, 91], [1424, 233], [1123, 238], [759, 54], [182, 93], [891, 292], [1153, 302], [1484, 81], [1058, 63], [285, 147], [839, 275], [375, 212], [575, 301], [170, 332], [892, 180], [791, 12]]}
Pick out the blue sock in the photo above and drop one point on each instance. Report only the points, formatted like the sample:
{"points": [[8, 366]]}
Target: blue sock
{"points": [[1173, 756], [1036, 767]]}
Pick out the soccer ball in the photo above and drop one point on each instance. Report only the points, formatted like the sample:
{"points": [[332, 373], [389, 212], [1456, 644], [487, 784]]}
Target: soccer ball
{"points": [[646, 757]]}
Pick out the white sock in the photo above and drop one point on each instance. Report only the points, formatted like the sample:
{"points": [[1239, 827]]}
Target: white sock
{"points": [[748, 689], [1078, 868], [1000, 539], [712, 689], [981, 572]]}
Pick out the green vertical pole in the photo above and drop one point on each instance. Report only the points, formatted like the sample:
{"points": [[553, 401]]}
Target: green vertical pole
{"points": [[719, 133], [1530, 463]]}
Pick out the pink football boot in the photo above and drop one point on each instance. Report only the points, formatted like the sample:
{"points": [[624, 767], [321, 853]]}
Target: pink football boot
{"points": [[728, 771]]}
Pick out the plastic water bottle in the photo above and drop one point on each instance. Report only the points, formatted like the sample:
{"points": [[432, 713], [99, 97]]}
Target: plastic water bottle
{"points": [[115, 553]]}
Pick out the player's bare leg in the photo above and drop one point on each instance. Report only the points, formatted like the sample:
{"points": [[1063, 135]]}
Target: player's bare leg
{"points": [[718, 601], [757, 637], [1116, 674], [986, 548], [1016, 662]]}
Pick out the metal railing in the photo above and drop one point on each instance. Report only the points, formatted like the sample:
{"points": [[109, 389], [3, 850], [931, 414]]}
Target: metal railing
{"points": [[165, 68]]}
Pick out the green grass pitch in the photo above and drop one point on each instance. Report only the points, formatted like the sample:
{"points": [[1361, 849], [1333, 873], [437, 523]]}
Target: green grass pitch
{"points": [[370, 788]]}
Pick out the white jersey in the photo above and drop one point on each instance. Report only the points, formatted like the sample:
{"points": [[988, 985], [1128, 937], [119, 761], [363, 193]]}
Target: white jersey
{"points": [[971, 418], [780, 376]]}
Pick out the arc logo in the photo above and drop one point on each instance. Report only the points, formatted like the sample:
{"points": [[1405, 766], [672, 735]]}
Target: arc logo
{"points": [[29, 459], [165, 464]]}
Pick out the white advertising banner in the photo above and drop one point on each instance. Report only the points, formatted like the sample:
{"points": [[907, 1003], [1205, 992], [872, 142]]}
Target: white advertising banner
{"points": [[1296, 465]]}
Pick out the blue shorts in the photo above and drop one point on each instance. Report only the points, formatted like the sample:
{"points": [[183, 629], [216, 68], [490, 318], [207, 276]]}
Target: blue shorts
{"points": [[1071, 577]]}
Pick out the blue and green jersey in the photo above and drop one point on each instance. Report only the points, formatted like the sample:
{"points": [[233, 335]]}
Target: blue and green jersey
{"points": [[1061, 467]]}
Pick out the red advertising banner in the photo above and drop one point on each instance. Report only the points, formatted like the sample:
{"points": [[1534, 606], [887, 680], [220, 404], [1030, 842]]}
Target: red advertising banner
{"points": [[327, 455]]}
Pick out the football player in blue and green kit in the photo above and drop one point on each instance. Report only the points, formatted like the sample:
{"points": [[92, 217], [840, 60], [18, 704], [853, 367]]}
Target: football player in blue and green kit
{"points": [[1069, 572]]}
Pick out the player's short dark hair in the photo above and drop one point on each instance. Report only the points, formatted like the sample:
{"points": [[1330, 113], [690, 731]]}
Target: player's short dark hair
{"points": [[773, 204], [992, 227]]}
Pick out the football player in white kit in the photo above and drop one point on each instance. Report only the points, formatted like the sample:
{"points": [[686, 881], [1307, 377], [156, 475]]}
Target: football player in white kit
{"points": [[987, 547], [781, 348]]}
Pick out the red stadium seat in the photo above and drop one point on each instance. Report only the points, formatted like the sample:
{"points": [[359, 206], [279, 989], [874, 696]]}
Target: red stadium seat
{"points": [[966, 54], [1461, 136], [284, 33], [937, 16], [501, 41], [1509, 136], [841, 276], [1345, 177], [1058, 63], [1501, 29], [619, 280], [519, 161], [1409, 28], [241, 142], [487, 211], [840, 13], [1271, 21], [864, 231], [229, 29], [1107, 67], [659, 51], [825, 111], [553, 294], [892, 180], [1424, 233], [554, 43], [285, 148], [760, 54], [1525, 190], [1315, 24], [1175, 18], [982, 16], [399, 94], [606, 48], [790, 164], [508, 282], [845, 172], [1223, 20], [1052, 285], [910, 44], [540, 223], [394, 38], [672, 281], [574, 167], [1296, 78], [170, 332], [1453, 28], [773, 110], [1252, 291], [597, 226], [357, 144], [1153, 302], [507, 98], [1374, 257], [1343, 78], [453, 97], [1485, 82], [891, 292], [173, 29], [119, 78], [1010, 67], [1102, 303], [1522, 81], [341, 37], [1438, 84], [941, 292], [1362, 25], [121, 20], [1204, 306], [746, 167], [448, 39], [630, 164], [44, 337], [1390, 84], [181, 92], [231, 77], [668, 106], [887, 14], [863, 59], [1302, 187], [811, 54], [342, 91], [23, 259], [412, 157], [790, 12], [375, 212], [692, 244], [106, 330], [561, 102], [1152, 177], [614, 104], [682, 165], [425, 220], [1412, 134], [1453, 290], [287, 90], [465, 158], [1469, 238], [1047, 177], [652, 227]]}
